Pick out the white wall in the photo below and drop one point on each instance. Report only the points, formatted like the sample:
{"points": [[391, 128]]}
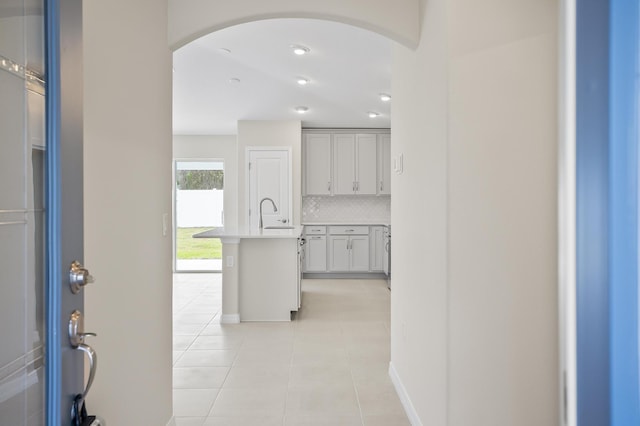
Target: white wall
{"points": [[127, 190], [270, 133], [474, 322], [190, 19], [186, 147]]}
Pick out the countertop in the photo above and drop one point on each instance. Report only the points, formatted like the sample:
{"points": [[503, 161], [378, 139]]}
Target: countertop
{"points": [[247, 233], [355, 222]]}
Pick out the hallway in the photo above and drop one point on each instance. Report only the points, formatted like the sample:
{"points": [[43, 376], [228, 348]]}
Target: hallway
{"points": [[327, 367]]}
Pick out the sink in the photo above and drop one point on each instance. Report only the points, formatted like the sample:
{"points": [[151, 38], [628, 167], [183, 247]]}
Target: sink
{"points": [[279, 227]]}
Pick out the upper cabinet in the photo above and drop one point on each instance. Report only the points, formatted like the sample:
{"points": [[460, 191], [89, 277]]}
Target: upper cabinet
{"points": [[341, 163], [317, 164], [384, 164]]}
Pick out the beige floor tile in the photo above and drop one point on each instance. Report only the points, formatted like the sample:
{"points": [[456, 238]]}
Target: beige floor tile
{"points": [[190, 421], [324, 373], [217, 329], [199, 377], [207, 358], [386, 420], [263, 355], [244, 421], [250, 402], [176, 356], [322, 399], [379, 400], [187, 328], [257, 376], [321, 420], [181, 343], [193, 402], [217, 342]]}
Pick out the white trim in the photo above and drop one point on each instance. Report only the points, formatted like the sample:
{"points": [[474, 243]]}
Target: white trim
{"points": [[172, 422], [567, 213], [404, 397], [230, 319]]}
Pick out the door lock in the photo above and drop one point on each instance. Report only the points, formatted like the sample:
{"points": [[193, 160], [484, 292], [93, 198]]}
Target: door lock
{"points": [[79, 276]]}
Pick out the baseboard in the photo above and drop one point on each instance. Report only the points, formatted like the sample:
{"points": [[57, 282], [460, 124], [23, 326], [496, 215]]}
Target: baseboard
{"points": [[230, 319], [404, 397], [172, 422], [345, 275]]}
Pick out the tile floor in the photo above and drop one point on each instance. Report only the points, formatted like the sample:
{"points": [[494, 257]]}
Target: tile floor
{"points": [[327, 367]]}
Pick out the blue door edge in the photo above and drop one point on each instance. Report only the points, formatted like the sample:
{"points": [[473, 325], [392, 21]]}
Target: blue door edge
{"points": [[53, 368], [623, 190]]}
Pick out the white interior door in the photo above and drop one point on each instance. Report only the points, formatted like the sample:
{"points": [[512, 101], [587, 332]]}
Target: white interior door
{"points": [[269, 178]]}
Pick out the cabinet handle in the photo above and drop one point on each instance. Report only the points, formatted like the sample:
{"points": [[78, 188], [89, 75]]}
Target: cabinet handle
{"points": [[329, 186], [349, 230], [353, 187], [357, 186], [380, 185]]}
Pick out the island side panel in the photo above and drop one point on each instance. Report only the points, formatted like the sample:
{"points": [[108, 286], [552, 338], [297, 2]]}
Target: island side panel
{"points": [[268, 279]]}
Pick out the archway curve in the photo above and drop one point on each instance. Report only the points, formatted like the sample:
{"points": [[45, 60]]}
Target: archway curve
{"points": [[191, 20]]}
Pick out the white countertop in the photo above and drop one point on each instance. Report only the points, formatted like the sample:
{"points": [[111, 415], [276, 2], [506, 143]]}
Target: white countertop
{"points": [[355, 222], [248, 233]]}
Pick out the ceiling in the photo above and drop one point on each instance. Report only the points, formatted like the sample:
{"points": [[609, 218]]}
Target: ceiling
{"points": [[347, 68]]}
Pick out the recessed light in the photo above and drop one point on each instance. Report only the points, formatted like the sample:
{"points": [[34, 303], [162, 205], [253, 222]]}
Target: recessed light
{"points": [[301, 109], [384, 97], [300, 50], [234, 80], [302, 81], [373, 114]]}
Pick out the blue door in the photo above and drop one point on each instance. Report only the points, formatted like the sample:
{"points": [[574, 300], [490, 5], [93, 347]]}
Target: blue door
{"points": [[40, 208], [607, 117]]}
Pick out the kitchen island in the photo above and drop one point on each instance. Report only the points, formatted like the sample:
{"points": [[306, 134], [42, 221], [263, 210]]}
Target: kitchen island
{"points": [[260, 273]]}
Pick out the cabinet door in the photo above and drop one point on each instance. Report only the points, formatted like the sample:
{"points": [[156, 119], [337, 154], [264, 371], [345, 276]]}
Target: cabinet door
{"points": [[316, 253], [359, 253], [317, 164], [377, 248], [384, 164], [338, 253], [366, 164], [344, 152]]}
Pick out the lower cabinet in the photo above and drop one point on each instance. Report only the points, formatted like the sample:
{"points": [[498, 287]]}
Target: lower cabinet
{"points": [[355, 248], [316, 253], [349, 253]]}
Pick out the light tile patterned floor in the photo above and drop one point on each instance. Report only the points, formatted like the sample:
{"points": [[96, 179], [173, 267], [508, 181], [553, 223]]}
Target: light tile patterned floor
{"points": [[327, 367]]}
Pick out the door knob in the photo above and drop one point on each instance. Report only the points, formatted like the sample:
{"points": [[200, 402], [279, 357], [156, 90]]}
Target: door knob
{"points": [[79, 276]]}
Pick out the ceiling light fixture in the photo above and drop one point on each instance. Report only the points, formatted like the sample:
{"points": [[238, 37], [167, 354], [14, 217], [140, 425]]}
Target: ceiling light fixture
{"points": [[302, 81], [384, 97], [373, 114], [301, 109], [300, 50]]}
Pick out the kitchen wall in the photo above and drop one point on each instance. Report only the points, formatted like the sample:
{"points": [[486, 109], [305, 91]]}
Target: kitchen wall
{"points": [[269, 133], [127, 189], [225, 147], [346, 209], [474, 302]]}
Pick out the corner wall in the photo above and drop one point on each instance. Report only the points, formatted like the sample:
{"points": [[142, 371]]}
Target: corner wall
{"points": [[474, 301], [127, 187], [219, 147]]}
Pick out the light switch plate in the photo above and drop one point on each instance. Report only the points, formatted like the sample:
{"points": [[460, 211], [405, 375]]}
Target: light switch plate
{"points": [[398, 166]]}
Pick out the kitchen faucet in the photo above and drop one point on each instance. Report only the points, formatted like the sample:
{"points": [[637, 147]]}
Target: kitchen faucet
{"points": [[275, 209]]}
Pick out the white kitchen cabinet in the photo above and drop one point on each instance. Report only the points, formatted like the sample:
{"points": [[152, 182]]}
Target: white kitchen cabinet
{"points": [[317, 164], [349, 253], [355, 164], [384, 164], [339, 253], [316, 253], [359, 253], [376, 249], [366, 164]]}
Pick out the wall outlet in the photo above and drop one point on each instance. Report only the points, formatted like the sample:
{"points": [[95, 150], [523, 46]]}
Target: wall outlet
{"points": [[230, 261]]}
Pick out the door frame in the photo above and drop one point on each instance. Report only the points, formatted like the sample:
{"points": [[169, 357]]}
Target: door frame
{"points": [[174, 207], [247, 173]]}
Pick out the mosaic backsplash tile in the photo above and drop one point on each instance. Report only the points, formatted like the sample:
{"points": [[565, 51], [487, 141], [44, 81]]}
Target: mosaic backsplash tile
{"points": [[363, 209]]}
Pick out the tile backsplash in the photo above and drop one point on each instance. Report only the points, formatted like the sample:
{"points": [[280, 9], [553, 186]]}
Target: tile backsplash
{"points": [[346, 208]]}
